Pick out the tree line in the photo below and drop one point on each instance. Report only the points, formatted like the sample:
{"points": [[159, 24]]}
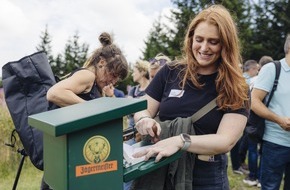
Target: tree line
{"points": [[262, 24]]}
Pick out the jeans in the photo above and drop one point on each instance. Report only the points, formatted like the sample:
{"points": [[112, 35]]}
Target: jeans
{"points": [[275, 162], [235, 159], [211, 175], [243, 148], [253, 159]]}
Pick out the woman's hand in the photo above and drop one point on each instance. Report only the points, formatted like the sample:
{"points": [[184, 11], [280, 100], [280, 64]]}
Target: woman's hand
{"points": [[147, 125], [164, 148], [108, 90]]}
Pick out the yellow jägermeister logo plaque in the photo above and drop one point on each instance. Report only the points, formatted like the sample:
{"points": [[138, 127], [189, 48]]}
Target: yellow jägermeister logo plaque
{"points": [[96, 150]]}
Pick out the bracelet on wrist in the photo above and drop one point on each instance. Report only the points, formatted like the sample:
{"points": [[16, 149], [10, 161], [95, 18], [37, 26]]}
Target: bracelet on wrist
{"points": [[144, 117]]}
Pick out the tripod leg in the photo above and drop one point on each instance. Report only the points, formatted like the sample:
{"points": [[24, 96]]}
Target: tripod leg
{"points": [[18, 172]]}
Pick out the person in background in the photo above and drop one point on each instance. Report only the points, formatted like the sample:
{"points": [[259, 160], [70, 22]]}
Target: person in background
{"points": [[141, 76], [119, 93], [106, 66], [275, 158], [253, 154], [251, 69], [209, 70], [157, 63], [263, 61], [239, 152]]}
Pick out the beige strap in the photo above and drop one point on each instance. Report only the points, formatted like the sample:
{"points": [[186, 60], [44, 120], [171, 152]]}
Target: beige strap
{"points": [[204, 110]]}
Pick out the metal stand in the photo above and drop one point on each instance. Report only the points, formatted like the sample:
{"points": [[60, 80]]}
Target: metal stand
{"points": [[23, 153]]}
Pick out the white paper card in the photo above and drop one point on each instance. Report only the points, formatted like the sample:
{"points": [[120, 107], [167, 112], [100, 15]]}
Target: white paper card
{"points": [[176, 93]]}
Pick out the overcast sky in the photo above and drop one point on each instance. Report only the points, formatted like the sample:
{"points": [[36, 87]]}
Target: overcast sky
{"points": [[23, 21]]}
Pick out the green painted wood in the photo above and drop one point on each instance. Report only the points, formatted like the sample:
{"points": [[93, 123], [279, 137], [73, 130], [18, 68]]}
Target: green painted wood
{"points": [[80, 116], [55, 161], [101, 180], [72, 135]]}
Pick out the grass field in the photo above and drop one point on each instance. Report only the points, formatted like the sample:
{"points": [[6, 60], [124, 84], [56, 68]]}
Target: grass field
{"points": [[30, 177], [9, 159]]}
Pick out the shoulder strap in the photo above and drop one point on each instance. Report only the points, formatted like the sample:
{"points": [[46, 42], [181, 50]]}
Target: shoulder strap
{"points": [[278, 68], [204, 110]]}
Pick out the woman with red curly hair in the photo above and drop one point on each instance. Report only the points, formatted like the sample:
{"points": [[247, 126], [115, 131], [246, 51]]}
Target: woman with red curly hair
{"points": [[209, 69]]}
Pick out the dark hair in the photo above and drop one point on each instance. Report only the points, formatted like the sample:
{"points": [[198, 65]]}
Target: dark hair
{"points": [[116, 62]]}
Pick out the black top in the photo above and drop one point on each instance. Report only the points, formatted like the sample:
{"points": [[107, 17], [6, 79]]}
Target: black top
{"points": [[94, 92], [135, 92], [165, 88]]}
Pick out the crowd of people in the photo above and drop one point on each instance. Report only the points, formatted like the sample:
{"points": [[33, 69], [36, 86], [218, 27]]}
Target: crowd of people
{"points": [[275, 154], [209, 69], [262, 167], [268, 162]]}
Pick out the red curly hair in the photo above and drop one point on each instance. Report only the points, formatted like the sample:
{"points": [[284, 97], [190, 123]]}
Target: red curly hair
{"points": [[230, 83]]}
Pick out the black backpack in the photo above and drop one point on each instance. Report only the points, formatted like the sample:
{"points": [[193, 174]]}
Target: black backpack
{"points": [[25, 84], [256, 125]]}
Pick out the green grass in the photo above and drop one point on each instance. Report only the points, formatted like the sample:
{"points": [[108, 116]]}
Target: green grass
{"points": [[236, 180], [30, 177]]}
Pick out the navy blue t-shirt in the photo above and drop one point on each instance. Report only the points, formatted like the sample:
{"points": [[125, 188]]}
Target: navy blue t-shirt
{"points": [[166, 89]]}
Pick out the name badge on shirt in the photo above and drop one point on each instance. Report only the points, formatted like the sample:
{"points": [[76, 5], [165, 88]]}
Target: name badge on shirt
{"points": [[176, 93]]}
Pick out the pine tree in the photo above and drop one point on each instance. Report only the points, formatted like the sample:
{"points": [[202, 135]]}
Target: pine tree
{"points": [[182, 16], [157, 41], [45, 45], [58, 67], [165, 39], [172, 40], [272, 23], [74, 56]]}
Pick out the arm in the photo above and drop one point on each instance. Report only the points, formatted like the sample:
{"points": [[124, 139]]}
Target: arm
{"points": [[229, 132], [143, 119], [65, 92], [260, 109]]}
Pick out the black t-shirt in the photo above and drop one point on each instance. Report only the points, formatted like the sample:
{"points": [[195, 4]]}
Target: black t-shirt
{"points": [[166, 89]]}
